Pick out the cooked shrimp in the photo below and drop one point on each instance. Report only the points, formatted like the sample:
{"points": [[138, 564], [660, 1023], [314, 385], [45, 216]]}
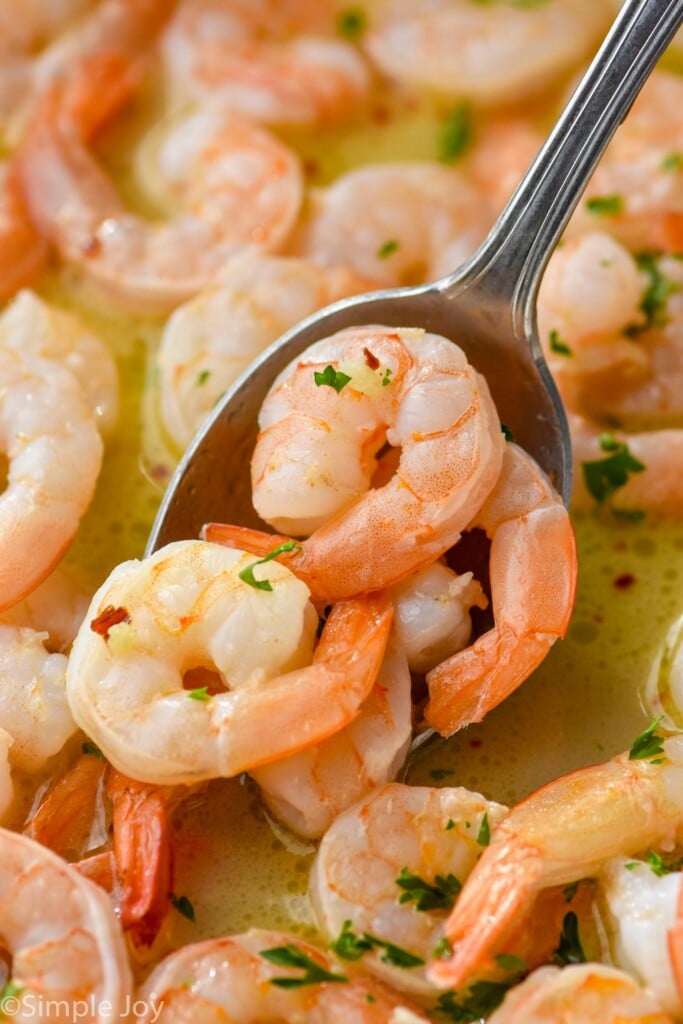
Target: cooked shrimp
{"points": [[532, 596], [229, 185], [65, 944], [315, 457], [243, 55], [187, 608], [505, 52], [579, 994], [22, 250], [636, 193], [54, 452], [427, 834], [500, 157], [310, 789], [210, 341], [56, 607], [6, 784], [71, 818], [564, 831], [642, 911], [233, 979], [393, 223], [431, 614]]}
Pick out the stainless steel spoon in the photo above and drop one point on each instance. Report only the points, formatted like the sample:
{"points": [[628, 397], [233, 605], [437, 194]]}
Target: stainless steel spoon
{"points": [[488, 305]]}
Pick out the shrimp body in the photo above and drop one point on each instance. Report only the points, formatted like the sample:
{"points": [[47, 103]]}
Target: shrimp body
{"points": [[431, 833], [505, 52], [309, 790], [395, 223], [230, 185], [564, 831], [579, 994], [230, 980], [209, 341], [234, 54], [532, 605], [63, 937], [6, 783], [186, 610], [315, 456], [23, 251], [56, 607]]}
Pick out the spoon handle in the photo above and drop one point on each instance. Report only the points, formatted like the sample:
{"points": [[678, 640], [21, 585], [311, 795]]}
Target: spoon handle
{"points": [[509, 264]]}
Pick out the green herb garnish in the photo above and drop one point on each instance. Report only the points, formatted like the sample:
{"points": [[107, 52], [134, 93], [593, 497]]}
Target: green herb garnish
{"points": [[349, 946], [88, 747], [183, 905], [656, 295], [386, 378], [603, 477], [507, 433], [449, 825], [559, 347], [291, 956], [484, 833], [200, 693], [439, 896], [202, 378], [387, 248], [658, 865], [11, 991], [570, 950], [481, 1000], [605, 206], [247, 575], [672, 162], [331, 378], [352, 23], [648, 744], [456, 134], [443, 949], [510, 962]]}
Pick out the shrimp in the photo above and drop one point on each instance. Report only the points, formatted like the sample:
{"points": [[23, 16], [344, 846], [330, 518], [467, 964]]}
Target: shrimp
{"points": [[242, 56], [208, 342], [65, 945], [579, 994], [56, 607], [360, 880], [396, 224], [6, 783], [505, 52], [315, 457], [532, 604], [500, 157], [231, 187], [636, 193], [310, 789], [186, 612], [564, 831], [22, 250], [237, 979]]}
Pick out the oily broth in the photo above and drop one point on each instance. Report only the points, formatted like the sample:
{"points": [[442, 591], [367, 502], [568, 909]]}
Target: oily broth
{"points": [[585, 703]]}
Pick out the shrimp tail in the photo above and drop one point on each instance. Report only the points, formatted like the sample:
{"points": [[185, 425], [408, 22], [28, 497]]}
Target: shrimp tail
{"points": [[63, 821], [256, 542], [100, 869]]}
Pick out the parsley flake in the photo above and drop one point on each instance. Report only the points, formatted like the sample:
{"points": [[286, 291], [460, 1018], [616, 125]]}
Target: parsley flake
{"points": [[456, 134], [441, 773], [648, 744], [387, 248], [88, 747], [507, 433], [657, 293], [11, 991], [184, 906], [510, 962], [658, 865], [570, 950], [442, 950], [632, 865], [605, 206], [291, 956], [201, 693], [603, 477], [484, 833], [481, 1000], [369, 998], [672, 162], [559, 347], [449, 825], [247, 575], [202, 378], [386, 379], [349, 946], [570, 890], [438, 896], [331, 378], [352, 23]]}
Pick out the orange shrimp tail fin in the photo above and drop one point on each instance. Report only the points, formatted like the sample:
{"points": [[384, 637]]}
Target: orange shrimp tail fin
{"points": [[675, 944], [100, 869], [142, 849], [256, 542], [64, 820], [495, 903]]}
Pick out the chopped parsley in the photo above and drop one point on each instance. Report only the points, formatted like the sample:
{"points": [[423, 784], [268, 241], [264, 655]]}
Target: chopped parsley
{"points": [[291, 956], [632, 865], [570, 950], [349, 946], [559, 347], [605, 206], [456, 134], [441, 773], [386, 378], [603, 477], [484, 833], [88, 747], [352, 23], [672, 162], [510, 962], [387, 248], [369, 998], [322, 619], [183, 905], [201, 693], [481, 1000], [449, 825], [438, 896], [247, 575], [658, 865], [656, 295], [648, 744], [331, 378], [11, 991], [570, 891], [202, 378], [443, 949], [507, 433]]}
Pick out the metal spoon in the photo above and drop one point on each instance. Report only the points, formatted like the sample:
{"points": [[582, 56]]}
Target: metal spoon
{"points": [[488, 305]]}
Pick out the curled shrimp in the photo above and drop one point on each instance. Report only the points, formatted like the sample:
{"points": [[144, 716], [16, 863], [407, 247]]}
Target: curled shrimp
{"points": [[184, 613], [589, 993], [56, 607], [505, 52], [23, 251], [230, 184], [396, 837], [6, 782], [564, 831], [64, 941], [395, 223], [310, 789], [315, 457], [532, 602], [209, 341], [242, 55], [236, 979]]}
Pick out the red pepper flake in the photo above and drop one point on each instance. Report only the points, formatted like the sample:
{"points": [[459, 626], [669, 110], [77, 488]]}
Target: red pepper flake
{"points": [[371, 360], [108, 617], [625, 581]]}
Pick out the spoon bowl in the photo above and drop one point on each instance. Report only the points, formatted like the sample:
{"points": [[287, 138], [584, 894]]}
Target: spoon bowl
{"points": [[488, 306]]}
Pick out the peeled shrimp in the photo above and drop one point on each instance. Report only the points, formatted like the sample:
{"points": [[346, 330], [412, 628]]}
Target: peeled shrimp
{"points": [[242, 55], [231, 980], [22, 250], [431, 833], [310, 789], [505, 52], [6, 783], [66, 947], [533, 572], [315, 457], [564, 831], [579, 994], [395, 223], [56, 607], [208, 342], [185, 608], [230, 186], [54, 451]]}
